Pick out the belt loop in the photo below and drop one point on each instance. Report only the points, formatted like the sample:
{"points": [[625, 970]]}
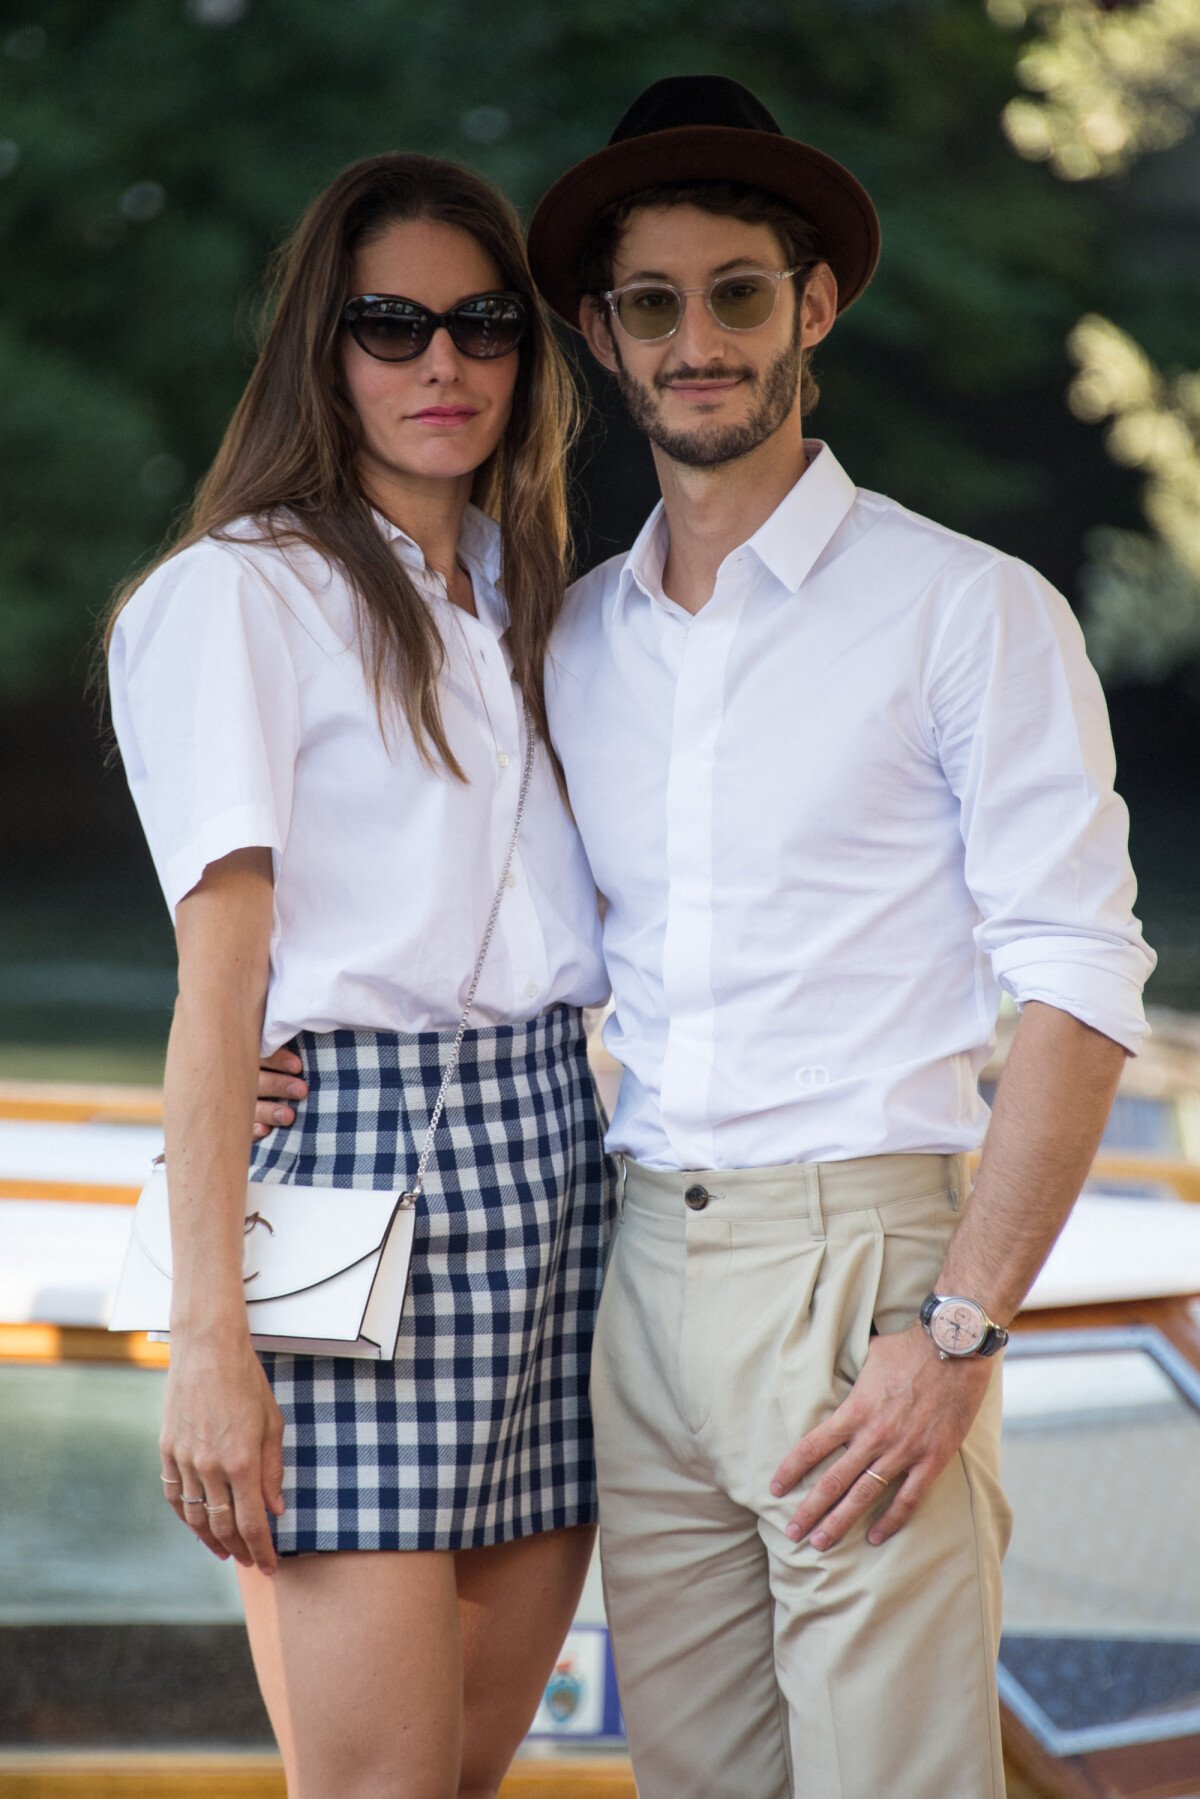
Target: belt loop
{"points": [[812, 1188], [619, 1186], [957, 1180]]}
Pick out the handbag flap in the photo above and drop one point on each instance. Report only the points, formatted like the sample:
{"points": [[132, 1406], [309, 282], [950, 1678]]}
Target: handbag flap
{"points": [[295, 1237]]}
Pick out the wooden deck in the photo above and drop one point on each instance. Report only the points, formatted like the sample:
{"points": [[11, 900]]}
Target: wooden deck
{"points": [[72, 1776], [260, 1777]]}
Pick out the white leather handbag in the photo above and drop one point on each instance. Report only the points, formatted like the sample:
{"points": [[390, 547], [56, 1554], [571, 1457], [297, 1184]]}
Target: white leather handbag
{"points": [[325, 1268]]}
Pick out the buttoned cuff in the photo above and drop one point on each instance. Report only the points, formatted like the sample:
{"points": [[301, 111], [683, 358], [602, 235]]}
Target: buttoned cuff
{"points": [[1098, 983]]}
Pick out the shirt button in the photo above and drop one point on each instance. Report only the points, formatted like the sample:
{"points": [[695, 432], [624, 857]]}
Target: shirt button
{"points": [[510, 879], [697, 1198], [503, 758], [531, 989]]}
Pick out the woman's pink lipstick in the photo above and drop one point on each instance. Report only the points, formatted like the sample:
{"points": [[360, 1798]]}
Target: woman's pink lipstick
{"points": [[444, 415]]}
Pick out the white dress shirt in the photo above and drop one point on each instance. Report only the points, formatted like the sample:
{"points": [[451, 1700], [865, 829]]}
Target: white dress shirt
{"points": [[245, 718], [864, 788]]}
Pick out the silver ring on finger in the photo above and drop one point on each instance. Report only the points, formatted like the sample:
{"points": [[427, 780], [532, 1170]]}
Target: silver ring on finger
{"points": [[878, 1477], [186, 1499]]}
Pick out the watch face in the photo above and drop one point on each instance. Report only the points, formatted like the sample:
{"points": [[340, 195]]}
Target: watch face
{"points": [[958, 1327]]}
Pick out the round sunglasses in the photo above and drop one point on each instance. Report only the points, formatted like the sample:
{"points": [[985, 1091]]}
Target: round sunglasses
{"points": [[653, 310], [394, 329]]}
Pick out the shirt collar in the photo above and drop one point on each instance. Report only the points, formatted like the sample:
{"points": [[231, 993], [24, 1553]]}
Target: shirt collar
{"points": [[646, 560], [787, 545], [478, 547]]}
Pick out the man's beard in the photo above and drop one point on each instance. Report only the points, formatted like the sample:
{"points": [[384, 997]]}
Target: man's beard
{"points": [[774, 392]]}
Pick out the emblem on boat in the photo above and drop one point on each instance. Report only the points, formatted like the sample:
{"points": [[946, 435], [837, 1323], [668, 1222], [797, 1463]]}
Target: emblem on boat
{"points": [[564, 1691]]}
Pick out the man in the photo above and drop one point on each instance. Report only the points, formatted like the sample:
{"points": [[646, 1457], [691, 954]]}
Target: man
{"points": [[842, 775]]}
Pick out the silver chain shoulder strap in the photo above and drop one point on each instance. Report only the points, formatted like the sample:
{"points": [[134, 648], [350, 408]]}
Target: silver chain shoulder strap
{"points": [[410, 1198]]}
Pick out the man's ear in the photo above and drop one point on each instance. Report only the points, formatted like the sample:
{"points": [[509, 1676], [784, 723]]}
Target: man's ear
{"points": [[595, 322], [819, 305]]}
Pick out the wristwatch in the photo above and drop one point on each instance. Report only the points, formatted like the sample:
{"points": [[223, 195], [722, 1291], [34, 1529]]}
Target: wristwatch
{"points": [[960, 1327]]}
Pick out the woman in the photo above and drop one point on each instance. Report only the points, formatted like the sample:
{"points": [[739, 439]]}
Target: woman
{"points": [[319, 695]]}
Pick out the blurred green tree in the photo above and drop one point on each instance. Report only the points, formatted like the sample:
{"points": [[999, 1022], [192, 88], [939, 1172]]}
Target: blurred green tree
{"points": [[152, 154], [1142, 589], [1113, 80], [1111, 85]]}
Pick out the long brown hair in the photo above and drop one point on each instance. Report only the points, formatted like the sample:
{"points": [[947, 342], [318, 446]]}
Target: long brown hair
{"points": [[287, 459]]}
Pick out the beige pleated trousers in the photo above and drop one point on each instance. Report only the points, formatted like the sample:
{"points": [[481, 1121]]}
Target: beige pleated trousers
{"points": [[751, 1667]]}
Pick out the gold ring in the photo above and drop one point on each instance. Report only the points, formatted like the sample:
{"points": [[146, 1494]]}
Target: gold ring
{"points": [[878, 1477], [167, 1481], [210, 1509]]}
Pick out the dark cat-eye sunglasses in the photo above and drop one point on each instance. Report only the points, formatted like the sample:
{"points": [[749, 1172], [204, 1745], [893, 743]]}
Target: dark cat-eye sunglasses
{"points": [[394, 329]]}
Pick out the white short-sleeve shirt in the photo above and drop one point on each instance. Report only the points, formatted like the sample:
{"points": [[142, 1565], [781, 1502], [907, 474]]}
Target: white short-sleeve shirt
{"points": [[245, 718]]}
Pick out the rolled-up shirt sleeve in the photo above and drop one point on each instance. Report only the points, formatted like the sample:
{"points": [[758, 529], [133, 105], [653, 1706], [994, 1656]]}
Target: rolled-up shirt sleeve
{"points": [[206, 711], [1022, 732]]}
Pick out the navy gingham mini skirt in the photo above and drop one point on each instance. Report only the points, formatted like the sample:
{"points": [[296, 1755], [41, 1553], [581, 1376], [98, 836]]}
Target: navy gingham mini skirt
{"points": [[479, 1430]]}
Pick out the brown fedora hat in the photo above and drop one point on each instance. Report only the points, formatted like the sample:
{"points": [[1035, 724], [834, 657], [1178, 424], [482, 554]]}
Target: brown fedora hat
{"points": [[701, 128]]}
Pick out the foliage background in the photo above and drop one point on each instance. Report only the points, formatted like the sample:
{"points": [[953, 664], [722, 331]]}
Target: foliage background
{"points": [[153, 152]]}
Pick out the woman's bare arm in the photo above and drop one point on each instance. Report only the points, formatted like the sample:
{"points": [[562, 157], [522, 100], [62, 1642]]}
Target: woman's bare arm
{"points": [[222, 1431]]}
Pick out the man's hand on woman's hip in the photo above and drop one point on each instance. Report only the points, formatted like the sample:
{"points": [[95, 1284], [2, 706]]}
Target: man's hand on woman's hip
{"points": [[277, 1083]]}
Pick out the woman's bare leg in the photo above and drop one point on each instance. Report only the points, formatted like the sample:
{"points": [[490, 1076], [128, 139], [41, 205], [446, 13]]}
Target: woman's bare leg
{"points": [[516, 1603], [359, 1658]]}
